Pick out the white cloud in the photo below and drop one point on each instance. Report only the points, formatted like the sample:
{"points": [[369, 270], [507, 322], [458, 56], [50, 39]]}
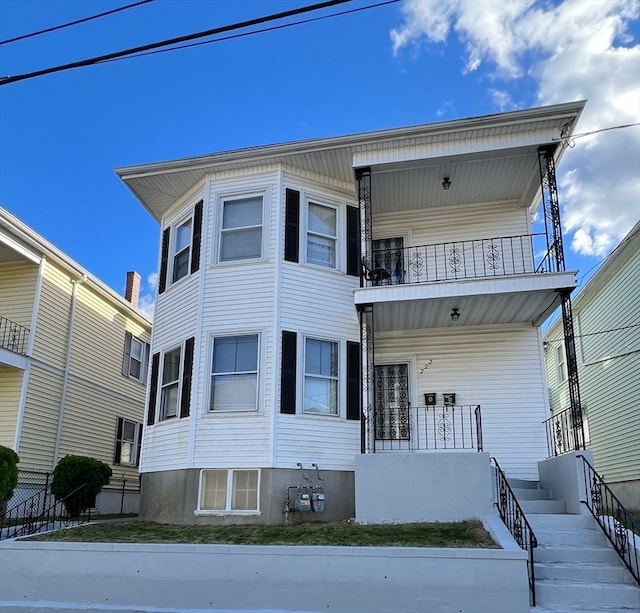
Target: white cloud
{"points": [[573, 50], [147, 300]]}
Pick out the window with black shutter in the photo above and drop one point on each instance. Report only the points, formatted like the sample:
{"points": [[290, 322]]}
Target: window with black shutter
{"points": [[153, 392], [353, 380], [353, 241], [292, 226], [288, 373]]}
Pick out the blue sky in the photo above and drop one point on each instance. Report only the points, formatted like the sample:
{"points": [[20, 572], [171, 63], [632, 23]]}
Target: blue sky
{"points": [[405, 63]]}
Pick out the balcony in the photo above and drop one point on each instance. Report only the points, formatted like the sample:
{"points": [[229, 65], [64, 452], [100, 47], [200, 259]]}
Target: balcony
{"points": [[427, 428], [13, 336], [489, 280]]}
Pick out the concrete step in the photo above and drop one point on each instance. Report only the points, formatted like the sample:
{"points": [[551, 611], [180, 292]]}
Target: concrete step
{"points": [[561, 521], [581, 609], [583, 572], [543, 506], [531, 494], [575, 554], [523, 484], [570, 593], [571, 537]]}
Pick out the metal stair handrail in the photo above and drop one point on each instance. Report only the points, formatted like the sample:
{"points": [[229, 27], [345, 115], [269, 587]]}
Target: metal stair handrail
{"points": [[616, 522], [516, 522]]}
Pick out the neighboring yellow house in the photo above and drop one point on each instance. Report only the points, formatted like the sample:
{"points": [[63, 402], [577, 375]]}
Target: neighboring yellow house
{"points": [[606, 315], [73, 359]]}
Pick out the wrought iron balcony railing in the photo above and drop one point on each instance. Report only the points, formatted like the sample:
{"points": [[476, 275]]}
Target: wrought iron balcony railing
{"points": [[427, 428], [472, 259], [13, 336], [562, 435]]}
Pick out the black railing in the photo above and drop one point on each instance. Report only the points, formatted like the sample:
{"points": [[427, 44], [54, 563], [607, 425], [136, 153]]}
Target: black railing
{"points": [[427, 428], [469, 259], [42, 512], [13, 336], [619, 527], [562, 433], [514, 519]]}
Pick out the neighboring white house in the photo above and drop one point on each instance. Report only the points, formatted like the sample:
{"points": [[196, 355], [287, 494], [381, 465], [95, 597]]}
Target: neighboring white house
{"points": [[321, 299], [606, 314]]}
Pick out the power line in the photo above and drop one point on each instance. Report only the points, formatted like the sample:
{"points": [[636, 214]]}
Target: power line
{"points": [[570, 141], [561, 340], [260, 31], [73, 23], [172, 41]]}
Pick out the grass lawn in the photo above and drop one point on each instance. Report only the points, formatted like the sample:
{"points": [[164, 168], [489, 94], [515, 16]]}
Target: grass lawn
{"points": [[459, 534]]}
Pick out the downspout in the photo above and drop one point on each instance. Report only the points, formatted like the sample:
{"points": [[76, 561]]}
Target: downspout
{"points": [[30, 345], [67, 364]]}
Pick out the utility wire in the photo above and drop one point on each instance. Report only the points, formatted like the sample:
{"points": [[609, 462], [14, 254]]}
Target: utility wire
{"points": [[570, 141], [561, 340], [172, 41], [260, 31], [74, 23]]}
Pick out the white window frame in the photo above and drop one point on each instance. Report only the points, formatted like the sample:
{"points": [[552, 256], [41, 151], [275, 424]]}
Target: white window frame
{"points": [[134, 443], [162, 416], [211, 409], [339, 380], [222, 200], [311, 199], [562, 372], [143, 348], [229, 494], [173, 252]]}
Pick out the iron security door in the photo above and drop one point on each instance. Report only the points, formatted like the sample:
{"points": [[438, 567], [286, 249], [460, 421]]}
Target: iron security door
{"points": [[392, 402]]}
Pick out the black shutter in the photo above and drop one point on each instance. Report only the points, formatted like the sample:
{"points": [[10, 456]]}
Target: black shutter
{"points": [[162, 282], [187, 368], [353, 380], [197, 235], [288, 373], [139, 445], [292, 226], [127, 353], [153, 392], [116, 455], [353, 241]]}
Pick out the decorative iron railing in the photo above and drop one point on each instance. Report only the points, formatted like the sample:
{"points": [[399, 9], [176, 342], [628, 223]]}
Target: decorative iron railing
{"points": [[562, 435], [427, 428], [514, 519], [469, 259], [619, 527], [13, 336], [42, 512]]}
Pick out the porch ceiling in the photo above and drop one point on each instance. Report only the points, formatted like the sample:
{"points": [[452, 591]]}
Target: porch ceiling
{"points": [[479, 302]]}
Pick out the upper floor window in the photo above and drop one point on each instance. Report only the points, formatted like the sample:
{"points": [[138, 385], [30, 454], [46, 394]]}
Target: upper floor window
{"points": [[320, 376], [234, 373], [561, 363], [128, 439], [169, 398], [180, 255], [136, 354], [241, 229], [321, 235]]}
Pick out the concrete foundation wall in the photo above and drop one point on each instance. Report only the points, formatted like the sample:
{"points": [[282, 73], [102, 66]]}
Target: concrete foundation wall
{"points": [[628, 492], [127, 577], [563, 476], [171, 497], [418, 487]]}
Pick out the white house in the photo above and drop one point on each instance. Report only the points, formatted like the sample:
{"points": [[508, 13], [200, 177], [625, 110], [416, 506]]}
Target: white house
{"points": [[379, 293]]}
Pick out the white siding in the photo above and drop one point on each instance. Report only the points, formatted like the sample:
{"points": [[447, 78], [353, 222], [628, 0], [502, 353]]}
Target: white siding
{"points": [[499, 368]]}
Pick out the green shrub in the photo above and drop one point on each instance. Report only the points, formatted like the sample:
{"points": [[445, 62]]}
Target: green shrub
{"points": [[77, 480], [8, 473]]}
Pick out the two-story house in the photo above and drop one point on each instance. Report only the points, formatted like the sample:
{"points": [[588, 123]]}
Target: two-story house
{"points": [[374, 293], [607, 331], [73, 362]]}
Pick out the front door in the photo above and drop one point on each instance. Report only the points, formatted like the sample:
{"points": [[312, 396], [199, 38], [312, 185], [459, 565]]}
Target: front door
{"points": [[388, 258], [392, 402]]}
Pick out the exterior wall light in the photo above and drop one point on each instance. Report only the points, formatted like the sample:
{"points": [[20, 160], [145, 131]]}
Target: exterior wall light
{"points": [[446, 183], [455, 314]]}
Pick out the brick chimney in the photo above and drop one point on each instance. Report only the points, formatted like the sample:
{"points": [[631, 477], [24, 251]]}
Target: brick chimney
{"points": [[132, 291]]}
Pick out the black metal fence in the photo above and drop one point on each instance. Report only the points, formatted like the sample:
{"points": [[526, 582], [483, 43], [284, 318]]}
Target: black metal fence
{"points": [[13, 336], [514, 519], [619, 527], [562, 435], [427, 428], [470, 259]]}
